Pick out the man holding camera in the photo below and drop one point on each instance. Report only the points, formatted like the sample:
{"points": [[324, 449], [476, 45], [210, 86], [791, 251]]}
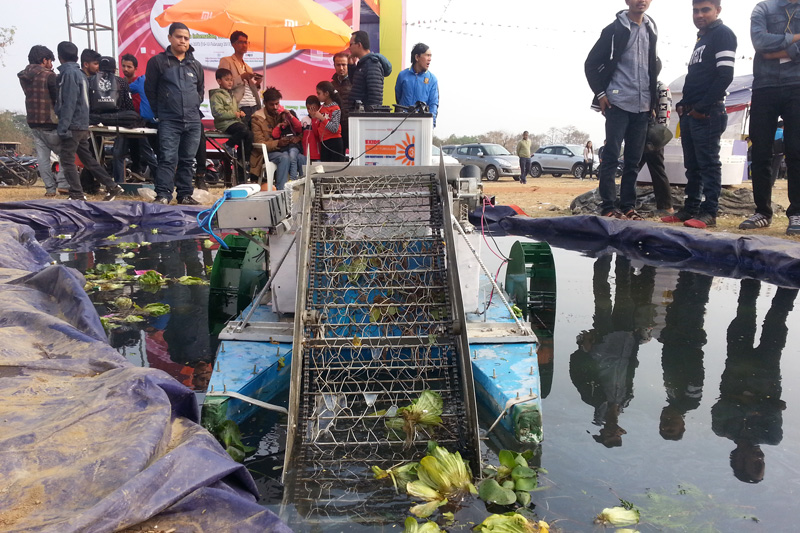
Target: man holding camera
{"points": [[246, 83]]}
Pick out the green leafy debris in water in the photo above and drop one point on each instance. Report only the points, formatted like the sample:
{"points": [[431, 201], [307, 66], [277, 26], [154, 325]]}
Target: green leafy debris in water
{"points": [[224, 430], [123, 303], [112, 238], [155, 309], [128, 245], [511, 482], [687, 509], [63, 236], [511, 523], [443, 477], [127, 255], [401, 475], [617, 517], [133, 226], [191, 280], [151, 277], [208, 243], [424, 412], [154, 231], [411, 526]]}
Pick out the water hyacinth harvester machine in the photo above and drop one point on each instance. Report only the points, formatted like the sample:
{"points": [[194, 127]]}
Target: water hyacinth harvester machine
{"points": [[375, 282]]}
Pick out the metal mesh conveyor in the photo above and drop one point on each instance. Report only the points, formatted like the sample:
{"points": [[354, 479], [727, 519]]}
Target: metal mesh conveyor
{"points": [[380, 322]]}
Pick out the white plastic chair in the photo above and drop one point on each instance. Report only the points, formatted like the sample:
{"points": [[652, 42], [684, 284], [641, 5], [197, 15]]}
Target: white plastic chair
{"points": [[269, 168]]}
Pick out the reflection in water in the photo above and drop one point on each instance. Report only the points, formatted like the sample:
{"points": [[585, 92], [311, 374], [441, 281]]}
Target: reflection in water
{"points": [[603, 367], [749, 410], [178, 342], [683, 338]]}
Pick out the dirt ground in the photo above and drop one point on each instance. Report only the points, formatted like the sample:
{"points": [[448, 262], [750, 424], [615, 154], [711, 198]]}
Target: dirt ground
{"points": [[541, 197], [548, 196]]}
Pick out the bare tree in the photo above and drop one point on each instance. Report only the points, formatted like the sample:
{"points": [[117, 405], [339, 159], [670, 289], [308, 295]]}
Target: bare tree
{"points": [[6, 38]]}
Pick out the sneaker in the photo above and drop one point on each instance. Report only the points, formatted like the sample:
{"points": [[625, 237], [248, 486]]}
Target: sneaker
{"points": [[50, 194], [614, 213], [78, 197], [680, 216], [701, 221], [113, 193], [187, 200], [200, 182], [631, 214], [161, 200], [794, 225], [230, 151], [756, 221]]}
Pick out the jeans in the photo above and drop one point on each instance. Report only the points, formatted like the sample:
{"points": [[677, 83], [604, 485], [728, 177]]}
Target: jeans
{"points": [[178, 142], [282, 173], [659, 178], [47, 141], [78, 144], [700, 140], [524, 169], [631, 128], [141, 152], [768, 104]]}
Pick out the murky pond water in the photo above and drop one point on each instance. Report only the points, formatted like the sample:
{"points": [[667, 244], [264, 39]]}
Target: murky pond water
{"points": [[666, 389], [176, 342], [674, 391]]}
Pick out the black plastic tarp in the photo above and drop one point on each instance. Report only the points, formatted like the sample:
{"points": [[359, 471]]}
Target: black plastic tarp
{"points": [[91, 443], [768, 259]]}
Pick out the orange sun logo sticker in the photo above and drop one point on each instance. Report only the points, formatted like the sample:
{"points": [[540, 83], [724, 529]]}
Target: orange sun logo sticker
{"points": [[405, 151]]}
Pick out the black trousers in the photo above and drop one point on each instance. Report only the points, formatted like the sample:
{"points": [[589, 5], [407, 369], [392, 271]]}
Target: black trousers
{"points": [[332, 150], [768, 104], [658, 175]]}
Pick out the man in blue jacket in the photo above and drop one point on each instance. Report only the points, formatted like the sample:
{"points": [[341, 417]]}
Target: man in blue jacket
{"points": [[775, 31], [367, 75], [622, 70], [417, 84], [72, 109], [174, 87]]}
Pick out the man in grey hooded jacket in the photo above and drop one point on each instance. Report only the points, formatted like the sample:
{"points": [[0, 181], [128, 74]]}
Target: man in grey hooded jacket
{"points": [[368, 74]]}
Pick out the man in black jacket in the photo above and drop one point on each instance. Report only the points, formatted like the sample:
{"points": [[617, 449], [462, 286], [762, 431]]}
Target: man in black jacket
{"points": [[367, 75], [622, 70], [703, 117], [174, 88]]}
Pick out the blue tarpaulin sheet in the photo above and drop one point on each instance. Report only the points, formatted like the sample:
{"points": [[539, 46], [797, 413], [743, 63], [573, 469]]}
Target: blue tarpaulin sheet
{"points": [[769, 259], [91, 443]]}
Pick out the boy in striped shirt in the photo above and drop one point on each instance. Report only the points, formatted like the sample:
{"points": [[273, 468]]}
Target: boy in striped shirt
{"points": [[702, 114]]}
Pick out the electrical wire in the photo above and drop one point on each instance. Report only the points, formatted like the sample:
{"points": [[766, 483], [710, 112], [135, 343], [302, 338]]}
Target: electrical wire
{"points": [[205, 217], [497, 254]]}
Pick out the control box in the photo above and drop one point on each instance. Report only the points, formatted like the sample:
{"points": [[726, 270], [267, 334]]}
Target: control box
{"points": [[264, 209]]}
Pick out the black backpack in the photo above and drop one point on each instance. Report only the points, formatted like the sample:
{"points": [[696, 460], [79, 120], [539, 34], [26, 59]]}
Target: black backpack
{"points": [[104, 87]]}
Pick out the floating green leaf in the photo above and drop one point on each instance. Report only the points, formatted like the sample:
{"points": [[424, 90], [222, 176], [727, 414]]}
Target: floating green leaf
{"points": [[491, 491], [511, 523], [123, 303], [411, 526], [191, 280], [151, 277], [112, 238], [208, 243], [618, 516], [156, 309], [133, 226], [154, 231], [133, 318], [128, 255]]}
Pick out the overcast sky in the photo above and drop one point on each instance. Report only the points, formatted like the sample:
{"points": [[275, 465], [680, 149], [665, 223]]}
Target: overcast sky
{"points": [[502, 64]]}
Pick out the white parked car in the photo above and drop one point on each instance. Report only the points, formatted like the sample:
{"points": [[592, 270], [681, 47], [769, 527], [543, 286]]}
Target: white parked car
{"points": [[559, 159], [448, 159]]}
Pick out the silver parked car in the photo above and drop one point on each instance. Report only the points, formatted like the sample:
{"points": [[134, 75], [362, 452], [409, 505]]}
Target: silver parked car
{"points": [[493, 160], [559, 159]]}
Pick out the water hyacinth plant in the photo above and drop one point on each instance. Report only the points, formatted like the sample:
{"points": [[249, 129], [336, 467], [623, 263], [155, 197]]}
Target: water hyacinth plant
{"points": [[443, 477], [511, 482], [412, 526], [618, 516], [511, 523], [424, 412]]}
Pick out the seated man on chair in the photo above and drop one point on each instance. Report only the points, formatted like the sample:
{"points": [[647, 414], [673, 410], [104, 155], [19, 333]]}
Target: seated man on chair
{"points": [[263, 122]]}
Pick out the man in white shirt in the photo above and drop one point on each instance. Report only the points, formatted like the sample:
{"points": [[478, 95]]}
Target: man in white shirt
{"points": [[246, 83]]}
